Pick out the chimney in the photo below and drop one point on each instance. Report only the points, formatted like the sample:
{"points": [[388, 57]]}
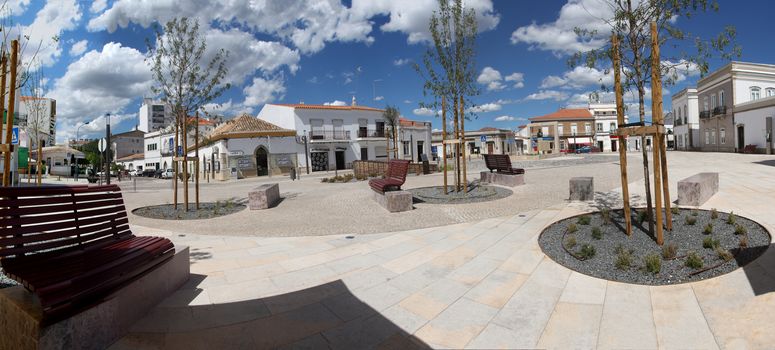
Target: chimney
{"points": [[353, 104]]}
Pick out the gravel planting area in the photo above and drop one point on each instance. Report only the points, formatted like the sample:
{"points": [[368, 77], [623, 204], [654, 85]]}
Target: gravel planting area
{"points": [[6, 282], [476, 193], [713, 246], [207, 210]]}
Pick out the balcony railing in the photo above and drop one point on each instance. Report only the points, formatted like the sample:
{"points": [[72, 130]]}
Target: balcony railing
{"points": [[329, 135], [704, 114], [371, 133], [570, 134], [720, 110]]}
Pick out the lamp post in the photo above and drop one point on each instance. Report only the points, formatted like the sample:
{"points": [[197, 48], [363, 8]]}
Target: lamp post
{"points": [[107, 148], [306, 153], [77, 168]]}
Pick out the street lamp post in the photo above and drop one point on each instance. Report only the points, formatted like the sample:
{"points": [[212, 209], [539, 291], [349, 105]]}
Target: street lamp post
{"points": [[77, 168], [107, 148], [306, 152]]}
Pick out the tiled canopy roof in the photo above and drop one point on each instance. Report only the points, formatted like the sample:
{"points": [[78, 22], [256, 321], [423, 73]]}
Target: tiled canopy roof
{"points": [[131, 157], [246, 126], [565, 114]]}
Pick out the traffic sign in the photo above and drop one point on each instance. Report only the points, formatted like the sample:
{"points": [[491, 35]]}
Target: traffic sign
{"points": [[102, 145], [483, 138], [15, 135]]}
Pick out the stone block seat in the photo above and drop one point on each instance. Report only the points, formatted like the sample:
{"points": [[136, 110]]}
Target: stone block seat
{"points": [[501, 172], [70, 247], [264, 196], [582, 188], [697, 189]]}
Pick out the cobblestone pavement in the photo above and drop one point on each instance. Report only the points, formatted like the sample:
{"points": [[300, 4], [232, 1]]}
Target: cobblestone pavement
{"points": [[310, 207], [480, 284]]}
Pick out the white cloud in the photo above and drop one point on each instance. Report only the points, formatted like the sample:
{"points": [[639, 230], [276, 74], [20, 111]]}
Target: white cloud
{"points": [[98, 6], [494, 81], [263, 91], [15, 7], [379, 98], [579, 77], [99, 82], [401, 61], [227, 109], [407, 101], [559, 36], [54, 18], [679, 71], [79, 48], [423, 111], [517, 78], [485, 108], [547, 95], [505, 118], [335, 103]]}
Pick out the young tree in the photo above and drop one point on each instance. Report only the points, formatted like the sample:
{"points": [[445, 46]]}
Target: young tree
{"points": [[183, 80], [449, 67], [35, 105], [631, 23], [391, 116]]}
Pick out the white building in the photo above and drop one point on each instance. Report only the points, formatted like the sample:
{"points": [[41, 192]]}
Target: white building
{"points": [[154, 115], [47, 117], [338, 135], [605, 125], [159, 145], [754, 120], [686, 112]]}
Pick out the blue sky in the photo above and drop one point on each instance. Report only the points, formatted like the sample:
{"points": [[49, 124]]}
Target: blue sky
{"points": [[326, 51]]}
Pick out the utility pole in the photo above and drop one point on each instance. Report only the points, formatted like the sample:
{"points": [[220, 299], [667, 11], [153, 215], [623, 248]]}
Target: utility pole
{"points": [[107, 148]]}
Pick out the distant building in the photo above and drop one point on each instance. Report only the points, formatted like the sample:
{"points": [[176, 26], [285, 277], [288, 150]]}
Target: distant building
{"points": [[686, 124], [754, 121], [47, 119], [564, 130], [154, 115], [606, 123], [486, 140], [124, 144]]}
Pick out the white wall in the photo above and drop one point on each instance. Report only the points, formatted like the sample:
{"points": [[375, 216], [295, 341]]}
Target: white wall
{"points": [[743, 88], [754, 125], [281, 116]]}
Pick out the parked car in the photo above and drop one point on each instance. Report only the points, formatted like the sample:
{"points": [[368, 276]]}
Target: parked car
{"points": [[158, 173], [132, 172], [149, 172], [585, 149], [167, 174]]}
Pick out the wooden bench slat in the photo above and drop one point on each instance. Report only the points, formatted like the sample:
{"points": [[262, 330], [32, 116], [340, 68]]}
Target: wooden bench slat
{"points": [[58, 208], [95, 232], [36, 230], [65, 198], [61, 216]]}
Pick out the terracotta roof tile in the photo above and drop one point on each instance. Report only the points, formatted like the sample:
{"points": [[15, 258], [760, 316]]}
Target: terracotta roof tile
{"points": [[247, 124], [565, 114]]}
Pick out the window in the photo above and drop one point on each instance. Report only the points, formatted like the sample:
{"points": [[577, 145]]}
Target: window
{"points": [[613, 126], [756, 93], [686, 114], [713, 136], [406, 147], [559, 129], [705, 103], [317, 129], [722, 134], [679, 113], [573, 129], [587, 128], [707, 136], [712, 101], [153, 146], [599, 126], [721, 98], [770, 92]]}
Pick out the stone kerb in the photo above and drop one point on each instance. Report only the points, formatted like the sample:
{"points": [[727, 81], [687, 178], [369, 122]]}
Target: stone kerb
{"points": [[509, 180], [394, 201], [97, 327], [264, 196], [697, 189], [582, 189]]}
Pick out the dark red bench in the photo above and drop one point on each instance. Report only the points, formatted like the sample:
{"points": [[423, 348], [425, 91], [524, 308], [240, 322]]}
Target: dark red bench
{"points": [[71, 245], [394, 177], [501, 163]]}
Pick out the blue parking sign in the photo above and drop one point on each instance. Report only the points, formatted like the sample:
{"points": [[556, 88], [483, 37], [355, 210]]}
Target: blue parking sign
{"points": [[483, 138], [15, 135]]}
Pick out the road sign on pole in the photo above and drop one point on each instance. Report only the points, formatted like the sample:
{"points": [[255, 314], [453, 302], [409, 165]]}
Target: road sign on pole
{"points": [[102, 145], [15, 135], [483, 138]]}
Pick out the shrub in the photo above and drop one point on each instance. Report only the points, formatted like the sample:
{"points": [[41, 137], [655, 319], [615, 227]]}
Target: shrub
{"points": [[740, 230], [693, 260], [743, 241], [360, 177], [723, 254], [597, 233], [691, 220], [695, 212], [584, 220], [325, 179], [675, 210], [373, 174], [338, 178], [708, 229], [587, 251], [570, 242], [710, 243], [623, 259], [572, 228], [605, 215], [731, 219], [713, 213], [348, 177], [642, 215], [653, 263], [669, 251]]}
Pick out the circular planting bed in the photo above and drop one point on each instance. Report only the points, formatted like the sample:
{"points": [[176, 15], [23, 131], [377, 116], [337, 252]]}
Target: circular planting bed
{"points": [[207, 210], [476, 193], [702, 244]]}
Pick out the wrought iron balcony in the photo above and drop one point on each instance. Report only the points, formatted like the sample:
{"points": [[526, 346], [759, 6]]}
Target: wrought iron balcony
{"points": [[317, 135], [720, 110], [704, 114], [371, 133]]}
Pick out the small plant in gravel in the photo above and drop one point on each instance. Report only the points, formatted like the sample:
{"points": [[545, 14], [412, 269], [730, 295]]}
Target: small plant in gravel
{"points": [[675, 210], [360, 177], [693, 260], [373, 174], [731, 219], [740, 230], [325, 179], [743, 241], [669, 251], [695, 212], [691, 220], [623, 258], [642, 215], [597, 233], [229, 204], [710, 243], [723, 254], [708, 229], [572, 228], [584, 220], [570, 242], [653, 263], [348, 177], [713, 213], [587, 251], [338, 178], [215, 209], [605, 215]]}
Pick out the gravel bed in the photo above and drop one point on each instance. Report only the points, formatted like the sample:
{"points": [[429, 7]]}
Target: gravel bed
{"points": [[6, 282], [476, 193], [206, 210], [685, 237]]}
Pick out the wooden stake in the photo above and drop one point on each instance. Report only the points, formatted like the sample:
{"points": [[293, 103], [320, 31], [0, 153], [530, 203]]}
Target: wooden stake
{"points": [[4, 69], [185, 159], [39, 165], [620, 120], [9, 118], [196, 155], [174, 162], [665, 185], [656, 117], [444, 138], [456, 133], [463, 143]]}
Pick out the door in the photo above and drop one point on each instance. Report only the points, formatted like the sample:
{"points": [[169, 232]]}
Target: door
{"points": [[262, 167], [600, 145], [364, 153], [740, 138], [420, 150], [490, 146], [614, 144], [340, 160]]}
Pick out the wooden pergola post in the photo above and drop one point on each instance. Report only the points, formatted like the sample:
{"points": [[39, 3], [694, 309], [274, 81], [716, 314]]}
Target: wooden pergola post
{"points": [[463, 143], [9, 117], [5, 147], [622, 146], [660, 158]]}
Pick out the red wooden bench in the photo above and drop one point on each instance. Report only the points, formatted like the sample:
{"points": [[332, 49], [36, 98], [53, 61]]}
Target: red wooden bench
{"points": [[394, 177], [71, 245], [501, 163]]}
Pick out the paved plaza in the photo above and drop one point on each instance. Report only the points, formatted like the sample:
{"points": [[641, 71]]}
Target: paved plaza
{"points": [[483, 283]]}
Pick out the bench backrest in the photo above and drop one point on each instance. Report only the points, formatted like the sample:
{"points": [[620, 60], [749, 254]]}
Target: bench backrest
{"points": [[490, 161], [54, 219], [397, 169], [503, 161]]}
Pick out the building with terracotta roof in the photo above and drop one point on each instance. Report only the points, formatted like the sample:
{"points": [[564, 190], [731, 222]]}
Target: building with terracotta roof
{"points": [[487, 140], [335, 136], [564, 130]]}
